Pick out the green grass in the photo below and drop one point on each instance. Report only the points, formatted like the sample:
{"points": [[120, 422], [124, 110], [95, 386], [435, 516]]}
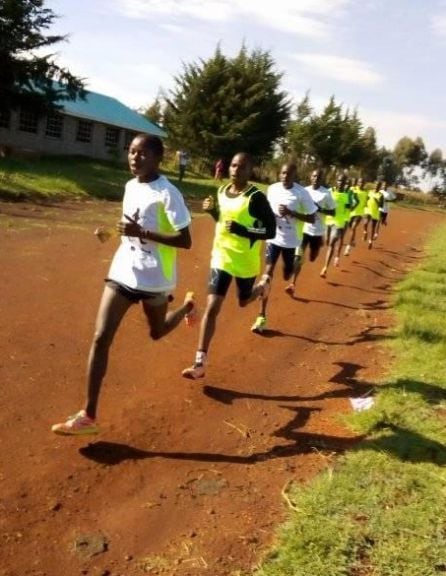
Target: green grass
{"points": [[380, 510], [72, 178]]}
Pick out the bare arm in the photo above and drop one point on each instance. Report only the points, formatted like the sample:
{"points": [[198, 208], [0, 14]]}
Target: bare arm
{"points": [[285, 211]]}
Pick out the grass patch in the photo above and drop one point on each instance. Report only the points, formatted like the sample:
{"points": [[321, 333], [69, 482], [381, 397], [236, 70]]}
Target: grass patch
{"points": [[379, 511], [55, 178]]}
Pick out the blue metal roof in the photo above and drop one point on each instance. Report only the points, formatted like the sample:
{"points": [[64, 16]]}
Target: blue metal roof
{"points": [[101, 108]]}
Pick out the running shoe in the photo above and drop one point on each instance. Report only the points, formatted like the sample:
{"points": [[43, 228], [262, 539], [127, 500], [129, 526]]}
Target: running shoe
{"points": [[375, 236], [76, 425], [336, 261], [323, 273], [259, 325], [194, 372], [290, 289], [347, 250], [191, 317]]}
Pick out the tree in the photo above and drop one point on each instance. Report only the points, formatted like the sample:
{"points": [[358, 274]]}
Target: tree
{"points": [[28, 78], [224, 105], [409, 156], [387, 169], [154, 112], [435, 171], [333, 139], [370, 161]]}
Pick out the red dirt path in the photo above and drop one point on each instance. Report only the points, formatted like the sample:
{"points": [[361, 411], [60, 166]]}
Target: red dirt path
{"points": [[186, 477]]}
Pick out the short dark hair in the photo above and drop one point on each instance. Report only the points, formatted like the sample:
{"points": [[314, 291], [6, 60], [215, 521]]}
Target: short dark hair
{"points": [[249, 159], [152, 143]]}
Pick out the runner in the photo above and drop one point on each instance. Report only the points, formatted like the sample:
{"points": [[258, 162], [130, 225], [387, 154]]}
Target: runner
{"points": [[372, 214], [313, 233], [290, 203], [336, 224], [357, 214], [244, 218], [388, 196], [155, 221]]}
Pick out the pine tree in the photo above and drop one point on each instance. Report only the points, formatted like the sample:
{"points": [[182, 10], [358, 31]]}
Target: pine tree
{"points": [[28, 78]]}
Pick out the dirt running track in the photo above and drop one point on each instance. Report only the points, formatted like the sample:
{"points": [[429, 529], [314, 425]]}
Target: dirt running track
{"points": [[186, 477]]}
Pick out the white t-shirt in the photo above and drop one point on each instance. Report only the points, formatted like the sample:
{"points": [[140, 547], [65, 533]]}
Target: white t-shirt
{"points": [[296, 199], [388, 196], [145, 265], [323, 198]]}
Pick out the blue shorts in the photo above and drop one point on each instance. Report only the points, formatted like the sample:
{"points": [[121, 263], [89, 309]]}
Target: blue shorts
{"points": [[219, 282]]}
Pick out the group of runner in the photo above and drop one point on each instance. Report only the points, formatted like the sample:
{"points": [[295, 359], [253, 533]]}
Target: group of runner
{"points": [[155, 222]]}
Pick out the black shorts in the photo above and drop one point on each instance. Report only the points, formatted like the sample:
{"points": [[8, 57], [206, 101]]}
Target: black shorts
{"points": [[135, 296], [272, 253], [219, 282], [314, 242]]}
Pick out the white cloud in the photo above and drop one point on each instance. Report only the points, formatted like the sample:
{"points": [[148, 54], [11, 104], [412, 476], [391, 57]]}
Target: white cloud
{"points": [[340, 68], [210, 10], [438, 23], [391, 126], [313, 18]]}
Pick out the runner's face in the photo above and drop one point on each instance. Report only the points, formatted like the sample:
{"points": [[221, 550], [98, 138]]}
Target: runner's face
{"points": [[287, 174], [240, 169], [315, 179], [143, 163], [340, 184]]}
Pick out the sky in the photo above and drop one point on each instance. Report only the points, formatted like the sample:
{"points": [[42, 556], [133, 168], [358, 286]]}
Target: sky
{"points": [[385, 58]]}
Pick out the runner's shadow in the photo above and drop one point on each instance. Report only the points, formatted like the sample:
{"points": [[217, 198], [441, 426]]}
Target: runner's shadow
{"points": [[367, 336], [391, 268], [430, 393], [345, 376], [338, 304], [377, 305], [400, 442], [336, 285], [373, 271], [270, 333], [113, 453], [406, 445]]}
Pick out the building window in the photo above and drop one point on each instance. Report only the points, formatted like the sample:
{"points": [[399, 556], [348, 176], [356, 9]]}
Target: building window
{"points": [[111, 137], [5, 119], [128, 139], [84, 131], [28, 121], [54, 125]]}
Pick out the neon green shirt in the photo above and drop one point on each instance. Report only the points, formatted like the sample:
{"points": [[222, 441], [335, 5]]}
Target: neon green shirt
{"points": [[342, 211], [362, 196], [232, 253]]}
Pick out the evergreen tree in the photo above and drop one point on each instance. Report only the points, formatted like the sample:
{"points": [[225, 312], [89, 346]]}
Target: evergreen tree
{"points": [[28, 78], [224, 105]]}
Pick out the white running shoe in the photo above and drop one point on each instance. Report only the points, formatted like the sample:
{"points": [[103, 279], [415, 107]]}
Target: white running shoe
{"points": [[194, 372], [76, 425]]}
